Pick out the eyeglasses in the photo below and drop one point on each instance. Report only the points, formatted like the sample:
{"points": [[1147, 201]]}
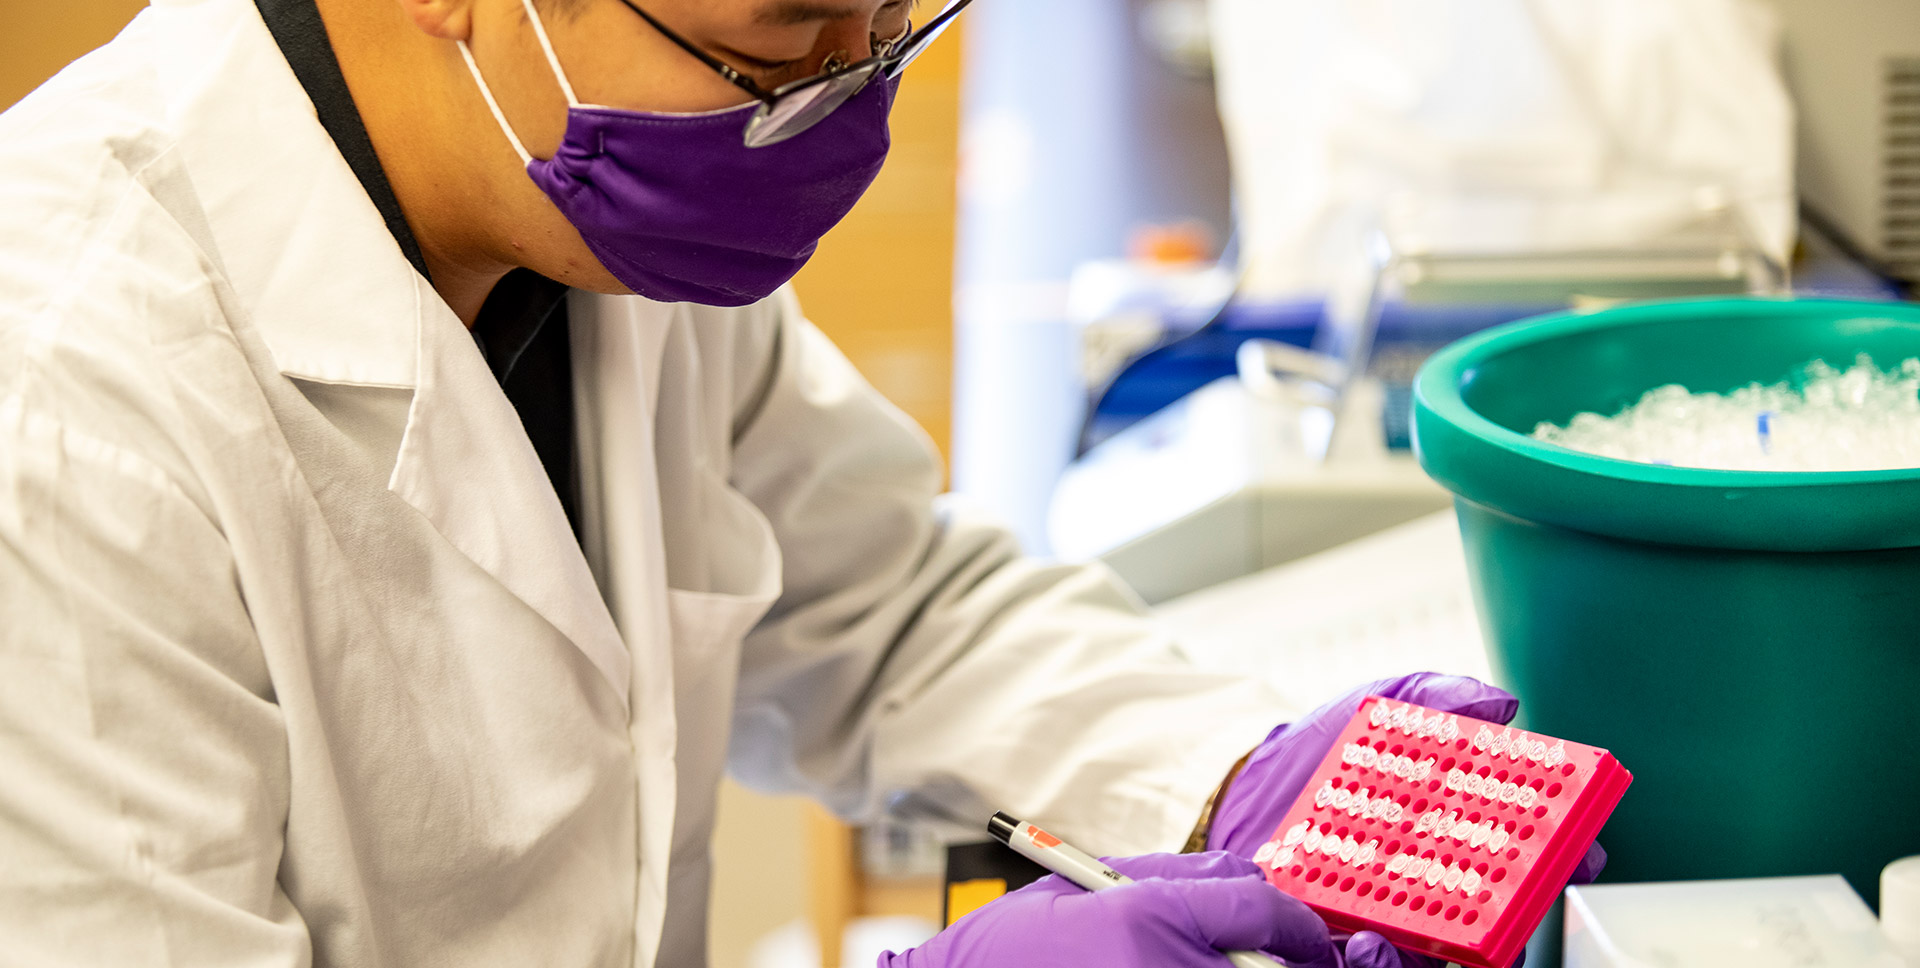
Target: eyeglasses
{"points": [[790, 109]]}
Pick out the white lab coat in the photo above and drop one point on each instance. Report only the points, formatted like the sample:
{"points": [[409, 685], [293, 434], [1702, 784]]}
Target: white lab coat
{"points": [[300, 661]]}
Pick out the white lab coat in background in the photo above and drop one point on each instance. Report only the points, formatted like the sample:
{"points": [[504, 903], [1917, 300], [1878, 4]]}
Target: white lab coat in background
{"points": [[300, 661]]}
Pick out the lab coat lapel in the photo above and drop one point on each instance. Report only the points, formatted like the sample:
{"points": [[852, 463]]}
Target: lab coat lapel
{"points": [[618, 346], [467, 465], [336, 302]]}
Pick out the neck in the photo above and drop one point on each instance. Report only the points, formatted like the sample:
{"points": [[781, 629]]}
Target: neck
{"points": [[415, 118]]}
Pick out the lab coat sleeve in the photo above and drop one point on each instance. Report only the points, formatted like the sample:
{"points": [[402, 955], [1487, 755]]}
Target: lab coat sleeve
{"points": [[918, 663], [143, 769]]}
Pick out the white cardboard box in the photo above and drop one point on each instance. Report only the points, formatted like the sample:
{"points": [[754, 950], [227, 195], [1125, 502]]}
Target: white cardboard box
{"points": [[1769, 922]]}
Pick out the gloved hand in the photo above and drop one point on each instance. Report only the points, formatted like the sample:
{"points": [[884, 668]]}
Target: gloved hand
{"points": [[1257, 800], [1182, 911]]}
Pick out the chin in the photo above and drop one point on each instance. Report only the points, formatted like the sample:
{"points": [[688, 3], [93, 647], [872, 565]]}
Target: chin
{"points": [[608, 286], [592, 277]]}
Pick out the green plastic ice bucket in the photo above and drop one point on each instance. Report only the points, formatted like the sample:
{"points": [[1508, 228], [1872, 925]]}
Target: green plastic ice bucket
{"points": [[1747, 643]]}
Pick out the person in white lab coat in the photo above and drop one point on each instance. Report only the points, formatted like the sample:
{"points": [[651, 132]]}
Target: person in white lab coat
{"points": [[383, 584]]}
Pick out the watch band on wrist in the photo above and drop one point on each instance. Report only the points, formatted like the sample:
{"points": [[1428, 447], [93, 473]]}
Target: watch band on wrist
{"points": [[1197, 840]]}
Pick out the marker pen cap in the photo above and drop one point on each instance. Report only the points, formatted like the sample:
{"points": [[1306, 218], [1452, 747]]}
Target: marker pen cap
{"points": [[1002, 827]]}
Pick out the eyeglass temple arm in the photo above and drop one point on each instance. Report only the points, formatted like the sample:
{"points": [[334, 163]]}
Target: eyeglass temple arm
{"points": [[721, 67], [933, 27]]}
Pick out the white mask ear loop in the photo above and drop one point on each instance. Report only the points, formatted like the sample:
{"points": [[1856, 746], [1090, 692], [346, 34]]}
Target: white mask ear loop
{"points": [[553, 61], [494, 106]]}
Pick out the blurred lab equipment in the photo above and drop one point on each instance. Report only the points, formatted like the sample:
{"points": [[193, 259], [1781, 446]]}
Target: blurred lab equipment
{"points": [[1853, 67], [1496, 126], [1549, 125], [1307, 444], [1773, 922], [1369, 609], [1224, 483], [1075, 130], [1686, 618]]}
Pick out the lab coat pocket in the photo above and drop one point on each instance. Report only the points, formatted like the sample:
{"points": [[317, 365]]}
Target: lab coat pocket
{"points": [[707, 631], [724, 574], [709, 624], [741, 574]]}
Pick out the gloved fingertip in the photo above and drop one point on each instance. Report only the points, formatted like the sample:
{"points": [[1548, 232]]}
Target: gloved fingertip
{"points": [[1294, 957], [1481, 701], [1211, 864], [1369, 950], [1220, 863], [1591, 865], [1249, 914], [1494, 710], [1461, 695]]}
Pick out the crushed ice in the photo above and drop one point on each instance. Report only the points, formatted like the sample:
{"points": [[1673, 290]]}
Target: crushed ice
{"points": [[1819, 419]]}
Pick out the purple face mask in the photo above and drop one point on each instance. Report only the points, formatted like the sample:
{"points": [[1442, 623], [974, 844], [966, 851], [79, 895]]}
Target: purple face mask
{"points": [[679, 209]]}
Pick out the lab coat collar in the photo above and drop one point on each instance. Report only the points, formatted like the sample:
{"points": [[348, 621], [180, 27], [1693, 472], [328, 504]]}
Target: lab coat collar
{"points": [[327, 286], [468, 466], [336, 301]]}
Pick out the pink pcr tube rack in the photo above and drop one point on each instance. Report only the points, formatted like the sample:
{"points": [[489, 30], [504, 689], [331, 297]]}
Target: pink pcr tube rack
{"points": [[1449, 835]]}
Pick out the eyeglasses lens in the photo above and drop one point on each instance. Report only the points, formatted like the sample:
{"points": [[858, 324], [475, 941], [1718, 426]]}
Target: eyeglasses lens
{"points": [[798, 110], [801, 106]]}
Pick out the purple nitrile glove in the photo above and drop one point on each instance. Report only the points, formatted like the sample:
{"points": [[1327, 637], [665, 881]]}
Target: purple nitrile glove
{"points": [[1182, 911], [1251, 808]]}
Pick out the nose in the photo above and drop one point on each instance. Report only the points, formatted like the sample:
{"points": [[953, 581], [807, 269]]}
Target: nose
{"points": [[851, 38]]}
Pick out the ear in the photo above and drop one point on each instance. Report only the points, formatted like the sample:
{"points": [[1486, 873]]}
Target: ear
{"points": [[445, 19]]}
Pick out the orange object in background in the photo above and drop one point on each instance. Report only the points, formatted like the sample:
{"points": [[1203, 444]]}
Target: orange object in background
{"points": [[1177, 244]]}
